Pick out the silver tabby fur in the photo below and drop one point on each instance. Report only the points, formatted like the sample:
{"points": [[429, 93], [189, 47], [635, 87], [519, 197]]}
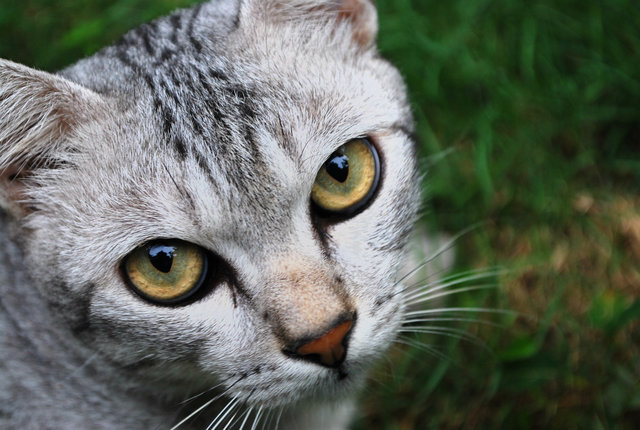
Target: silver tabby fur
{"points": [[209, 126]]}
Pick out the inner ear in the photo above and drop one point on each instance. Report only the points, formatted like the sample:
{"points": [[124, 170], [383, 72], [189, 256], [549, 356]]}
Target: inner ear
{"points": [[39, 112], [364, 20], [361, 15], [12, 183]]}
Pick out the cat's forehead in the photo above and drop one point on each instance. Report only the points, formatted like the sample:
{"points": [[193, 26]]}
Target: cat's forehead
{"points": [[210, 80], [232, 121]]}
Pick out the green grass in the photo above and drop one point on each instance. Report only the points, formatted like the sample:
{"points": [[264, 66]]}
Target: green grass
{"points": [[528, 115]]}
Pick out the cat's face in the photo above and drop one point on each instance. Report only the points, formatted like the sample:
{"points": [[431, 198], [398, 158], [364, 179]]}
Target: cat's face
{"points": [[196, 136]]}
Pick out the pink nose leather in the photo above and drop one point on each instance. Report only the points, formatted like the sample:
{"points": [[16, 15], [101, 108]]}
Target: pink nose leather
{"points": [[329, 349]]}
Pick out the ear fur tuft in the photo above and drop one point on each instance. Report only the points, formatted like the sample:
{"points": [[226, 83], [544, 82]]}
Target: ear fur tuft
{"points": [[361, 15], [364, 18], [38, 111]]}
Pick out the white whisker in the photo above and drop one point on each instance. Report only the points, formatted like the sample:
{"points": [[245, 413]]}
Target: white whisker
{"points": [[461, 277], [434, 329], [195, 412], [278, 419], [428, 298], [444, 248], [267, 419], [245, 414], [83, 366], [243, 407], [256, 419], [192, 414], [437, 157], [201, 394], [223, 413], [246, 417], [449, 282], [426, 280], [231, 421], [424, 347], [446, 331], [422, 312], [448, 319]]}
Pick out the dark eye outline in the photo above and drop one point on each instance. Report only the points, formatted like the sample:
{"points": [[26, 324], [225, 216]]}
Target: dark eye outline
{"points": [[363, 203], [192, 294]]}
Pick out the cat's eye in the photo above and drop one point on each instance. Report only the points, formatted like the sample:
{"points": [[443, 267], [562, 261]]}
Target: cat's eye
{"points": [[348, 179], [166, 271]]}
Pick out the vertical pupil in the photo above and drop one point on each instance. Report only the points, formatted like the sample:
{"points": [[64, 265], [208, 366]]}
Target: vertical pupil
{"points": [[161, 257], [338, 167]]}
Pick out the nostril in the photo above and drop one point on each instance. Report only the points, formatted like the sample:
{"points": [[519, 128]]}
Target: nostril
{"points": [[328, 350]]}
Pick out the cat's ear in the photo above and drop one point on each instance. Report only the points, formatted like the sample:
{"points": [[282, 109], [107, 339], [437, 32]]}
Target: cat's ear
{"points": [[38, 113], [361, 15]]}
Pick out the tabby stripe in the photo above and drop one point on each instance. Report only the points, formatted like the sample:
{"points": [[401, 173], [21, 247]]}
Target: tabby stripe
{"points": [[192, 39], [84, 299], [203, 81], [236, 20], [189, 83], [123, 56], [125, 42], [204, 166], [320, 234], [218, 75], [167, 54], [167, 126], [184, 193], [180, 146], [174, 78], [244, 97], [194, 118], [143, 32], [176, 25], [167, 90], [165, 113], [256, 156], [215, 110]]}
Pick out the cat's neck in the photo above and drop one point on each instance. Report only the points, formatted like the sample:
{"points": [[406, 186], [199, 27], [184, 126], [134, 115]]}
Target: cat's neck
{"points": [[36, 350]]}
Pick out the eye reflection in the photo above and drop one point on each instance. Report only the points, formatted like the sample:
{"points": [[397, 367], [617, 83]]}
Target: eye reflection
{"points": [[348, 179], [338, 167], [161, 257]]}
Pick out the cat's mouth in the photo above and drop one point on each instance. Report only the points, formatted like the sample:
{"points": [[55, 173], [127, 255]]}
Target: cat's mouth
{"points": [[279, 387]]}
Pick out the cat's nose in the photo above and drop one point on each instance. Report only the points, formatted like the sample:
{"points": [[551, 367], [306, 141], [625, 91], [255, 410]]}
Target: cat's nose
{"points": [[328, 350]]}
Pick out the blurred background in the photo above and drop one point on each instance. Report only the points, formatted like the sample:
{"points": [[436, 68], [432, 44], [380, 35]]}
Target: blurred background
{"points": [[528, 118]]}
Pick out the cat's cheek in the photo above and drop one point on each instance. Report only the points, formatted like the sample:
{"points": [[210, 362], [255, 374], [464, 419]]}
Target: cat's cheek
{"points": [[378, 325], [127, 329]]}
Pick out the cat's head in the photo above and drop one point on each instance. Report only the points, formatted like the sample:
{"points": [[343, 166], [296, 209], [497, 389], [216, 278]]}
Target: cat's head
{"points": [[223, 196]]}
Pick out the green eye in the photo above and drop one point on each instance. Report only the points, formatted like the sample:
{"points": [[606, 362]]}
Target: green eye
{"points": [[348, 179], [166, 271]]}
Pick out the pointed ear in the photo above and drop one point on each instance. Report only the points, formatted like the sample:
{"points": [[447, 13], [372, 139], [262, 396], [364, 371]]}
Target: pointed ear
{"points": [[364, 20], [38, 112], [361, 15]]}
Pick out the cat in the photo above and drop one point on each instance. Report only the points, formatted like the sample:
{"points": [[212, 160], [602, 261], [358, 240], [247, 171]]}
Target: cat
{"points": [[202, 224]]}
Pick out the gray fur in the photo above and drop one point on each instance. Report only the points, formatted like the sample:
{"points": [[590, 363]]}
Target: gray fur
{"points": [[209, 126]]}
